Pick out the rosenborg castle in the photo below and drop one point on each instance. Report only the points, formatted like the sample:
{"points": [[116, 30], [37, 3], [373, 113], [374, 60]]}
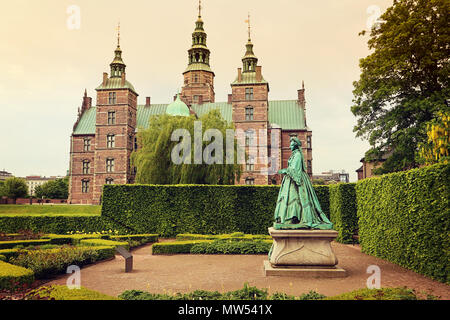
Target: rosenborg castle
{"points": [[104, 134]]}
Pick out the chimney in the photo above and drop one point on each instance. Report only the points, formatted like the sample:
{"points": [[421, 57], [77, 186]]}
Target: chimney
{"points": [[258, 73], [123, 79], [239, 74], [147, 101], [200, 99], [230, 99], [301, 95], [105, 78]]}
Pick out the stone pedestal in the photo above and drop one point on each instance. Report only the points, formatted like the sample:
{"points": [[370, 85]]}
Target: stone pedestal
{"points": [[305, 253]]}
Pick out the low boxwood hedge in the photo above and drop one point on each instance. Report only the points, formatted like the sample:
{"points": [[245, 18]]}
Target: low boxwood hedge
{"points": [[59, 292], [72, 238], [232, 247], [12, 277], [2, 258], [15, 243], [46, 263], [103, 243], [237, 236], [176, 247]]}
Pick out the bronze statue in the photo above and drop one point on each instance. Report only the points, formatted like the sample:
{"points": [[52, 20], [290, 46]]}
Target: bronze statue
{"points": [[297, 205]]}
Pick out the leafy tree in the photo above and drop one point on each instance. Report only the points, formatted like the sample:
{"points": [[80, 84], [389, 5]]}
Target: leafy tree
{"points": [[15, 188], [2, 183], [54, 189], [153, 160], [405, 81], [320, 182], [437, 148]]}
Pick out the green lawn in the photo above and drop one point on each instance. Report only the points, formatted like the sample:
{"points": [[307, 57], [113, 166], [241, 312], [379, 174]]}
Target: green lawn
{"points": [[49, 210]]}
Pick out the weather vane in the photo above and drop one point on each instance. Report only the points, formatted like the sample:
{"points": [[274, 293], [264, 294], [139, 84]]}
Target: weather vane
{"points": [[118, 34], [249, 28]]}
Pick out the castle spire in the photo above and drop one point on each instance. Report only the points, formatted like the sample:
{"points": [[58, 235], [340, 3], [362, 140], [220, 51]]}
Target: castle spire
{"points": [[117, 66], [249, 61], [199, 53]]}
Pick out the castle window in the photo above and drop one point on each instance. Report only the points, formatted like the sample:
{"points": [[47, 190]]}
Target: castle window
{"points": [[109, 181], [309, 142], [309, 164], [196, 76], [112, 98], [250, 181], [87, 144], [85, 186], [249, 94], [111, 117], [110, 141], [135, 143], [250, 165], [86, 167], [249, 113], [109, 165], [249, 135], [196, 98]]}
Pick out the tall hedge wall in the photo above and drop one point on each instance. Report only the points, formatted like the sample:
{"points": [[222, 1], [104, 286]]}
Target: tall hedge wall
{"points": [[404, 218], [171, 210], [343, 210]]}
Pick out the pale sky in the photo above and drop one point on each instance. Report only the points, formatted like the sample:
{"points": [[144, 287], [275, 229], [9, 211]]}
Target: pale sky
{"points": [[46, 66]]}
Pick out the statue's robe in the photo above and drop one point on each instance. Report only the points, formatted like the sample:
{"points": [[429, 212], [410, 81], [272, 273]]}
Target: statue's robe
{"points": [[297, 198]]}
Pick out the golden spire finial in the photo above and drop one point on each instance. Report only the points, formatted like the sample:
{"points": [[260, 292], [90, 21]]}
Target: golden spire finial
{"points": [[118, 35], [199, 8], [249, 27]]}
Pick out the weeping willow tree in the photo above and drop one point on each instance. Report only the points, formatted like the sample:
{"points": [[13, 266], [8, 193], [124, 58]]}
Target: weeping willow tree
{"points": [[154, 159]]}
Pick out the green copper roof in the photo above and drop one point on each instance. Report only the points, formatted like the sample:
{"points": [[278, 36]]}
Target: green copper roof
{"points": [[86, 125], [178, 108], [285, 113], [115, 83], [198, 67], [249, 78]]}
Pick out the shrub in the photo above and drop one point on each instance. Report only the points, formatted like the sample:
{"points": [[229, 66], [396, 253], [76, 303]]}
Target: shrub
{"points": [[343, 211], [102, 242], [12, 244], [2, 258], [232, 247], [136, 239], [170, 210], [53, 224], [58, 292], [12, 276], [404, 218], [50, 262], [175, 247], [377, 294]]}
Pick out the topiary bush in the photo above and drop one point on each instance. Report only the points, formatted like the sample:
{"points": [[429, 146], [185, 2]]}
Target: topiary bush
{"points": [[404, 218]]}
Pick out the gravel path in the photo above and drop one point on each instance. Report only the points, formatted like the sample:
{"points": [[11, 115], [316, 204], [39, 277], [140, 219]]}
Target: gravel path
{"points": [[185, 273]]}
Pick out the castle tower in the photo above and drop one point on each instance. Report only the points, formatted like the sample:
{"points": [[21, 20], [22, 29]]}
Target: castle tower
{"points": [[115, 127], [198, 77], [250, 94]]}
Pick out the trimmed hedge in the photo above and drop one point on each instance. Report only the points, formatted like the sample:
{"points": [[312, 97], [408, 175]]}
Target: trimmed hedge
{"points": [[46, 263], [59, 292], [177, 247], [232, 247], [12, 276], [237, 236], [377, 294], [103, 243], [170, 210], [53, 224], [72, 238], [8, 253], [2, 258], [12, 244], [404, 218], [343, 211]]}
